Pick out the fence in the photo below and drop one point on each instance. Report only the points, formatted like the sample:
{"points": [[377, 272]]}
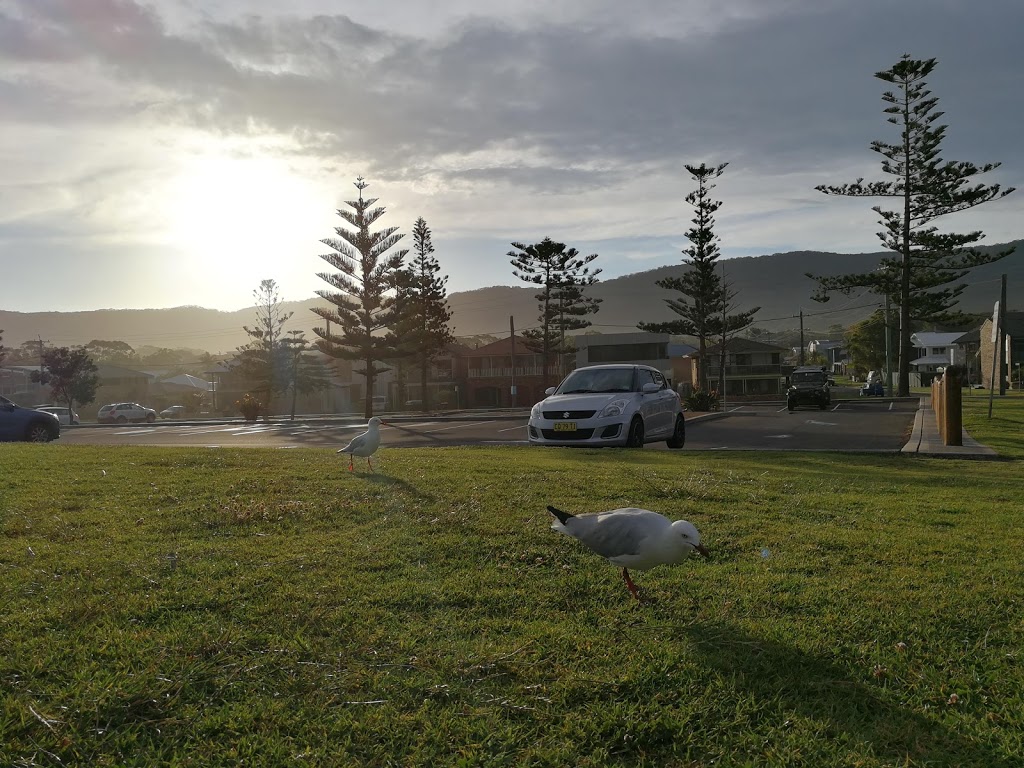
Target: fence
{"points": [[947, 402]]}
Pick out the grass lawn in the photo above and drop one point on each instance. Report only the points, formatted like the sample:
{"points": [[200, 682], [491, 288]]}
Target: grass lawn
{"points": [[216, 607]]}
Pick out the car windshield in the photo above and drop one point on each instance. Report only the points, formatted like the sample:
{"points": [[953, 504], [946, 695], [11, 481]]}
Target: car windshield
{"points": [[585, 380], [808, 378]]}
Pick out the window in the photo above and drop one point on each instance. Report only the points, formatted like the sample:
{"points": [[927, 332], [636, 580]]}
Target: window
{"points": [[625, 353]]}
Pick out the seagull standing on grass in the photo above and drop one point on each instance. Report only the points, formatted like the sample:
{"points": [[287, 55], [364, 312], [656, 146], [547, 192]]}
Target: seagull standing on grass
{"points": [[365, 444], [631, 538]]}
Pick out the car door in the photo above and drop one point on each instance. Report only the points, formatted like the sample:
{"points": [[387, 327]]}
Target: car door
{"points": [[666, 405], [8, 420], [649, 403]]}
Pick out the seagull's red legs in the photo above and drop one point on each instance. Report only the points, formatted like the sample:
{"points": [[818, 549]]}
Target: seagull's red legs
{"points": [[351, 466], [629, 584]]}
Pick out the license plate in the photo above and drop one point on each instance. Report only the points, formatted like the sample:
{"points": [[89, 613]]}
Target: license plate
{"points": [[565, 426]]}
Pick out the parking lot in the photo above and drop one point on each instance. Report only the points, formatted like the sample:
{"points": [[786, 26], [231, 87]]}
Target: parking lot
{"points": [[849, 425]]}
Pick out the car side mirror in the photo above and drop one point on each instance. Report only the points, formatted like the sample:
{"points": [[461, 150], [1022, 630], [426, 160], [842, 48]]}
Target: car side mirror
{"points": [[549, 391], [650, 388]]}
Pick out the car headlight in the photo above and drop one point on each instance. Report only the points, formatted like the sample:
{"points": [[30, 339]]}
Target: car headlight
{"points": [[536, 410], [614, 408]]}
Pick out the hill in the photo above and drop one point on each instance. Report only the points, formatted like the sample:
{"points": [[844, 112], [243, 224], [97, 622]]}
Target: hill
{"points": [[775, 282]]}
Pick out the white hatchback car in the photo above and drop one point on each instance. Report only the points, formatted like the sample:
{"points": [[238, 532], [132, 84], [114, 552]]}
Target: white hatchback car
{"points": [[122, 413], [609, 405]]}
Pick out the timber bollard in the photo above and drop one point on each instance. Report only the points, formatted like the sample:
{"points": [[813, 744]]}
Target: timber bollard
{"points": [[947, 402]]}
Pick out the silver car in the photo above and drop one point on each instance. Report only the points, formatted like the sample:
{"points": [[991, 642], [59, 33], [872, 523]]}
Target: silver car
{"points": [[613, 405]]}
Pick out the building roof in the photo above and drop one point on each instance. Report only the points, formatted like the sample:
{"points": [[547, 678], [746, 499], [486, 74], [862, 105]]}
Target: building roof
{"points": [[931, 360], [923, 339], [738, 344], [189, 381], [500, 347]]}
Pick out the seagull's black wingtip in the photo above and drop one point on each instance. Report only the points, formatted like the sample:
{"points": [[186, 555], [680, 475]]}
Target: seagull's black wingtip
{"points": [[563, 517]]}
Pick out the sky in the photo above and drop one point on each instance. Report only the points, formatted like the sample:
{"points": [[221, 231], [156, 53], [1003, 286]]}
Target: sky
{"points": [[178, 152]]}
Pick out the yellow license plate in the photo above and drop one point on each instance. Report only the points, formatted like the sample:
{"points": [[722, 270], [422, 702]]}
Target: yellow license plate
{"points": [[565, 426]]}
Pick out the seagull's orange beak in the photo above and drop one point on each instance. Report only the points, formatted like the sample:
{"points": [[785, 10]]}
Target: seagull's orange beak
{"points": [[700, 548]]}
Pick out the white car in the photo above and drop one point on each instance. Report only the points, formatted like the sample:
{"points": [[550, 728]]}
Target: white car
{"points": [[66, 416], [122, 413], [609, 405], [173, 412]]}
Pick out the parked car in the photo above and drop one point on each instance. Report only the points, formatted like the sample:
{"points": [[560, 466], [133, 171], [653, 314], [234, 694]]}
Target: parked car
{"points": [[122, 413], [17, 423], [66, 416], [173, 412], [609, 405], [873, 389], [808, 386]]}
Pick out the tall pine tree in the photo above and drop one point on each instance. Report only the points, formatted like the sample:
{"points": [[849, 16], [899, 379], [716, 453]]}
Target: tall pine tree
{"points": [[703, 302], [922, 277], [260, 359], [427, 315], [563, 276], [363, 301]]}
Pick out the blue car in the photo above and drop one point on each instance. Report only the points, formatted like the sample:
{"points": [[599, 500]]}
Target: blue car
{"points": [[17, 423], [873, 389]]}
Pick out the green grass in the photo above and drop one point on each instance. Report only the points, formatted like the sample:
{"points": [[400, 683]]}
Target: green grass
{"points": [[216, 607], [1004, 431]]}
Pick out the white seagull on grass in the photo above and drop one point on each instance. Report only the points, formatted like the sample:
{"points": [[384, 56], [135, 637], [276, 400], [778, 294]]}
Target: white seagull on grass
{"points": [[632, 538], [365, 444]]}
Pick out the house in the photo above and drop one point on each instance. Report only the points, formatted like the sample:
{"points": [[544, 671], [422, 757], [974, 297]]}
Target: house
{"points": [[505, 374], [932, 353], [1013, 355], [668, 354], [752, 368], [446, 381], [833, 351]]}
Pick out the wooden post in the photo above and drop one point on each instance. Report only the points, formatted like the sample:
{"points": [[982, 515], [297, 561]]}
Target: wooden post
{"points": [[953, 406]]}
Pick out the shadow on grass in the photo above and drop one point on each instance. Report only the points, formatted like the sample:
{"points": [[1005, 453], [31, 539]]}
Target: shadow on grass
{"points": [[793, 681], [394, 484]]}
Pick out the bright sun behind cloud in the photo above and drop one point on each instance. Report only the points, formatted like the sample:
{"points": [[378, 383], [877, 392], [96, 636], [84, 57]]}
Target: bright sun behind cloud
{"points": [[239, 217]]}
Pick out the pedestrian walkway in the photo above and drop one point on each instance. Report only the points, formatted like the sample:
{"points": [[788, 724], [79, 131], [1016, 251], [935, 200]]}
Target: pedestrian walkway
{"points": [[925, 439]]}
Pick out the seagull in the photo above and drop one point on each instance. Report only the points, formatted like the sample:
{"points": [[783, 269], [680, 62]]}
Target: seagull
{"points": [[365, 444], [631, 538]]}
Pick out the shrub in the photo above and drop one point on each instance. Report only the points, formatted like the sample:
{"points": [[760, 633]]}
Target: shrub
{"points": [[249, 407], [702, 401]]}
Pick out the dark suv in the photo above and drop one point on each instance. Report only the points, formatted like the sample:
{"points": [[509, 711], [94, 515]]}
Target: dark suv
{"points": [[809, 386], [17, 423]]}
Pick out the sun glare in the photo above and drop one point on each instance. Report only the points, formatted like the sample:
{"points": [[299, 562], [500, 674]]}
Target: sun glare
{"points": [[238, 219]]}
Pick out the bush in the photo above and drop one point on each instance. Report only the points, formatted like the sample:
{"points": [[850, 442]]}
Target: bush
{"points": [[249, 407], [702, 401]]}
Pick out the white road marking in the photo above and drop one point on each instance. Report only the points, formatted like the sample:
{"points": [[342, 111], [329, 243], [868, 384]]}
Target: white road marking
{"points": [[778, 437], [511, 429], [822, 423], [458, 426]]}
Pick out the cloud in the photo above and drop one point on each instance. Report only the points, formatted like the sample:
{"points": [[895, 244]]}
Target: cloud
{"points": [[498, 119]]}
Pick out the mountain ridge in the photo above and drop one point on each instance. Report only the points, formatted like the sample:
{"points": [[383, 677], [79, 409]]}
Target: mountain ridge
{"points": [[775, 282]]}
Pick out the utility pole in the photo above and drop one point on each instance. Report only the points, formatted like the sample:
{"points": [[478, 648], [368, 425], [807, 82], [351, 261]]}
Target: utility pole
{"points": [[801, 337], [512, 336], [1002, 336]]}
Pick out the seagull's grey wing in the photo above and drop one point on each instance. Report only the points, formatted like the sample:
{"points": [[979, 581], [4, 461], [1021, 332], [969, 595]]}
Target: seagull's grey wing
{"points": [[612, 536], [353, 445]]}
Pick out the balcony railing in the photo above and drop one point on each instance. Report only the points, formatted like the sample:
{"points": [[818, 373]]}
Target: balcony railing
{"points": [[506, 373], [747, 370]]}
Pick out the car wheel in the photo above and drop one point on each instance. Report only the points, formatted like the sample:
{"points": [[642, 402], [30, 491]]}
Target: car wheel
{"points": [[38, 433], [678, 439], [121, 420], [150, 418], [635, 439]]}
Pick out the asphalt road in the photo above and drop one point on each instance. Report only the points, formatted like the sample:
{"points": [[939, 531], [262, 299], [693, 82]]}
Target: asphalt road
{"points": [[855, 425]]}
